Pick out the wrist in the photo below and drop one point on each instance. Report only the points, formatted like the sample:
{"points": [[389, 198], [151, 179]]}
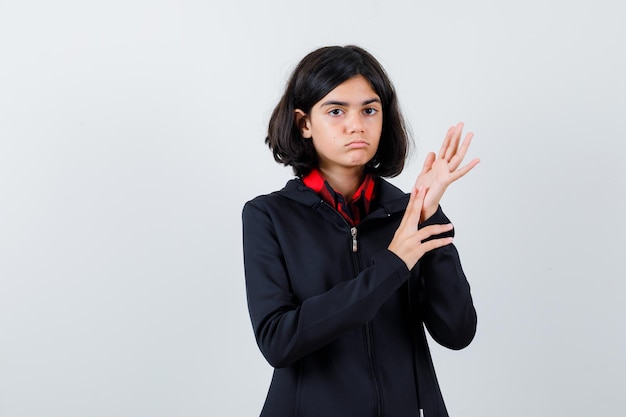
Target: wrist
{"points": [[427, 213]]}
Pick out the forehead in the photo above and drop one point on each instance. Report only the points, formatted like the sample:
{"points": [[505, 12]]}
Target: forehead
{"points": [[354, 90]]}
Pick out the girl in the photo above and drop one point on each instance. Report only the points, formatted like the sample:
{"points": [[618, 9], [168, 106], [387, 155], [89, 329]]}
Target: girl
{"points": [[343, 269]]}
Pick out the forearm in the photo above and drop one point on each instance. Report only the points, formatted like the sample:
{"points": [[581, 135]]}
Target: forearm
{"points": [[446, 303], [287, 331]]}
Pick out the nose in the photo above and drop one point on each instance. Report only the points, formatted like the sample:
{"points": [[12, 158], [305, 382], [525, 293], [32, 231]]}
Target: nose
{"points": [[354, 122]]}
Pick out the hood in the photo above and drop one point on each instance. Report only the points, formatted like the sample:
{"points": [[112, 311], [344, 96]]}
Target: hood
{"points": [[390, 198]]}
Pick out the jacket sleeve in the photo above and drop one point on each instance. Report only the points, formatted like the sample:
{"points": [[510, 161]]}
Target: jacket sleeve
{"points": [[286, 330], [445, 301]]}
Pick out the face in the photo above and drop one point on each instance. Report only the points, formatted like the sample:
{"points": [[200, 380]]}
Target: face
{"points": [[345, 126]]}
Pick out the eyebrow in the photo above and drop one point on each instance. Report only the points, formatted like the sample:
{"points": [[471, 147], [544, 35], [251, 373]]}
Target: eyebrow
{"points": [[343, 103]]}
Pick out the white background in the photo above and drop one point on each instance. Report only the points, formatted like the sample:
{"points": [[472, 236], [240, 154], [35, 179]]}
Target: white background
{"points": [[131, 134]]}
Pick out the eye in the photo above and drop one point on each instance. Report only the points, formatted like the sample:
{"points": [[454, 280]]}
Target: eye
{"points": [[335, 112], [370, 111]]}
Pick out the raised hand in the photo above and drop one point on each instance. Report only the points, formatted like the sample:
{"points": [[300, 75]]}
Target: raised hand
{"points": [[439, 171], [407, 241]]}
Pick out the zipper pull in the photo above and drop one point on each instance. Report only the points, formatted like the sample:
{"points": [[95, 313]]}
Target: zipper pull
{"points": [[421, 412], [354, 244]]}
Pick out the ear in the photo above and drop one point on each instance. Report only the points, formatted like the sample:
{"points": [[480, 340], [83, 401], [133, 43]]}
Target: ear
{"points": [[303, 123]]}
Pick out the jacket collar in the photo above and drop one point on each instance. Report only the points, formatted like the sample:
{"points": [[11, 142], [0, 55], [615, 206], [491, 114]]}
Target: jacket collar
{"points": [[390, 198]]}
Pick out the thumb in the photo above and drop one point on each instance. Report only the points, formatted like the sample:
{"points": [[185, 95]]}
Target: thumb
{"points": [[428, 162]]}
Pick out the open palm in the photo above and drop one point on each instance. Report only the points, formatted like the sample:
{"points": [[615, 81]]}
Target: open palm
{"points": [[439, 171]]}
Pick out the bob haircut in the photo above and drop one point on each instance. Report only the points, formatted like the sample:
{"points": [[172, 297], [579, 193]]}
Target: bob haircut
{"points": [[317, 75]]}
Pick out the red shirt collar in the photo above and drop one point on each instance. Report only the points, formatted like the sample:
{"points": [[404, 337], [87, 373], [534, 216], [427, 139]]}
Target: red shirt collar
{"points": [[360, 203]]}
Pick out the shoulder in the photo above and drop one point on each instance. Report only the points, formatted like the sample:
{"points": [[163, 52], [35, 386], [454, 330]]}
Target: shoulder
{"points": [[294, 192], [263, 200], [391, 197], [388, 191]]}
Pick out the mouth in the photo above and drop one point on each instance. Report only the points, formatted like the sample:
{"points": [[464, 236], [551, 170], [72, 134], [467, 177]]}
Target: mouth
{"points": [[355, 144]]}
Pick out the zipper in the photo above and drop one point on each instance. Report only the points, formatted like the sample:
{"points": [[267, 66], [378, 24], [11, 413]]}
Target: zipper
{"points": [[369, 347], [370, 357], [412, 316]]}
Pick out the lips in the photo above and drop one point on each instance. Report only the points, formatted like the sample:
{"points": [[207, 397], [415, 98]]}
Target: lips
{"points": [[357, 144]]}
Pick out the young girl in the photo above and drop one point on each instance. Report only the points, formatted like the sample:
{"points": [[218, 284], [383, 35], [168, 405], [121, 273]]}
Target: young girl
{"points": [[342, 268]]}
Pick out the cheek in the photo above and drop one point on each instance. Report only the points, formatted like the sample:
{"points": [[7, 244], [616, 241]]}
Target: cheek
{"points": [[377, 132], [376, 126], [327, 131], [377, 141]]}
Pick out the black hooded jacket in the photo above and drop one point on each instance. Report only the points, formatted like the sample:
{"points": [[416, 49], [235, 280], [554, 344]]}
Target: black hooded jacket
{"points": [[339, 316]]}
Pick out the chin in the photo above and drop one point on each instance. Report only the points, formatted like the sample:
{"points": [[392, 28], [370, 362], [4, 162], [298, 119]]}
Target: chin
{"points": [[361, 162]]}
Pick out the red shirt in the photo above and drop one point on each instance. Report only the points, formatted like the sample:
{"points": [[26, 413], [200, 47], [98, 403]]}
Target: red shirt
{"points": [[360, 203]]}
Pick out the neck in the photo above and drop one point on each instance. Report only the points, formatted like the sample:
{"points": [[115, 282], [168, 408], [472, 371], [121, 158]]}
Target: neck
{"points": [[345, 182]]}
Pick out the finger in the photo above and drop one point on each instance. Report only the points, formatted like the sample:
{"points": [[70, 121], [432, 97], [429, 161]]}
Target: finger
{"points": [[446, 142], [454, 144], [415, 211], [456, 160], [428, 163], [462, 171], [413, 208], [435, 243], [434, 230]]}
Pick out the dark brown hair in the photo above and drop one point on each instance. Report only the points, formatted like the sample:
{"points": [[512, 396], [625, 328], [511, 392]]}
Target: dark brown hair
{"points": [[317, 75]]}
